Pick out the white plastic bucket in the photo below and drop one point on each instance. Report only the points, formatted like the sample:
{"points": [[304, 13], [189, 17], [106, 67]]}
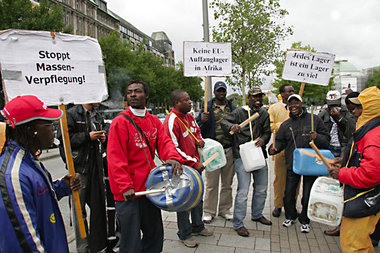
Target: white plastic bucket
{"points": [[211, 147], [326, 201], [252, 156]]}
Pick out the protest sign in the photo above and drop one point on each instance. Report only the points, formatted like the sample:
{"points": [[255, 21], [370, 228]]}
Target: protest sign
{"points": [[207, 59], [308, 67], [58, 69]]}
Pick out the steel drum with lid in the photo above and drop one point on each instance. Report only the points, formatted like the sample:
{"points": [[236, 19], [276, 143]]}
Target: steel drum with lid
{"points": [[181, 192]]}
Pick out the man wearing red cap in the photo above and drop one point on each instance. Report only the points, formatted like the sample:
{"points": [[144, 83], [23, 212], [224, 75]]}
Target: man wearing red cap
{"points": [[30, 217]]}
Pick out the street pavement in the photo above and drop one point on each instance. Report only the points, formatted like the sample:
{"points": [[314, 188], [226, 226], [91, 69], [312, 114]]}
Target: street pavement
{"points": [[275, 238]]}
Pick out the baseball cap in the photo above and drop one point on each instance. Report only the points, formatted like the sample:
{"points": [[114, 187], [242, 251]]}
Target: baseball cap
{"points": [[295, 96], [333, 97], [219, 85], [355, 100], [23, 109], [255, 91]]}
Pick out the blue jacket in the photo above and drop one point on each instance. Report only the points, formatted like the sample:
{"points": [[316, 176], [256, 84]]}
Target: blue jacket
{"points": [[30, 219], [208, 128]]}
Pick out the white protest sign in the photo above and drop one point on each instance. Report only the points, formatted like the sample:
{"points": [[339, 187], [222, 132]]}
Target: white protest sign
{"points": [[207, 58], [66, 69], [308, 67]]}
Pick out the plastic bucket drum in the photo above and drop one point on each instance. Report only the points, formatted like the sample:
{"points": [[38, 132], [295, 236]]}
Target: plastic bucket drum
{"points": [[251, 156], [211, 147], [181, 192], [326, 201], [310, 166]]}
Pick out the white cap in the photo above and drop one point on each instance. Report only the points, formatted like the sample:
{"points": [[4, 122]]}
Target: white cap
{"points": [[295, 96], [333, 97]]}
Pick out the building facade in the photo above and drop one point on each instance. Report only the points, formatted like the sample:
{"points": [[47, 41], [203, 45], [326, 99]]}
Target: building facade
{"points": [[94, 19]]}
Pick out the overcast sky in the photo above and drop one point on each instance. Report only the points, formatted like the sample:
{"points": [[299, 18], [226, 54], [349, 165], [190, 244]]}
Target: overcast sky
{"points": [[347, 28]]}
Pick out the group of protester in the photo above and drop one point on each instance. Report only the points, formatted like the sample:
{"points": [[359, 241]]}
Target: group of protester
{"points": [[29, 196]]}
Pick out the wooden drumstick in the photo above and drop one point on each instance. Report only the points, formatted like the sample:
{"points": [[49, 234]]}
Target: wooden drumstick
{"points": [[305, 152], [209, 160], [149, 192], [324, 160], [246, 122]]}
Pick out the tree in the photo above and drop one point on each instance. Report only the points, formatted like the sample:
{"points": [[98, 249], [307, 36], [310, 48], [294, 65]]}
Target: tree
{"points": [[255, 30], [123, 64], [21, 14], [375, 79], [313, 93]]}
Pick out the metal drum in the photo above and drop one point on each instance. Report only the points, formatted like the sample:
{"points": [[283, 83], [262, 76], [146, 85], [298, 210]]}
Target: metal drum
{"points": [[181, 192]]}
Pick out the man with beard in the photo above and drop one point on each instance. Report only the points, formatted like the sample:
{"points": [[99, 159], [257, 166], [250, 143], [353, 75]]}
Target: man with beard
{"points": [[209, 123], [182, 128], [134, 136], [261, 132], [278, 113], [296, 133]]}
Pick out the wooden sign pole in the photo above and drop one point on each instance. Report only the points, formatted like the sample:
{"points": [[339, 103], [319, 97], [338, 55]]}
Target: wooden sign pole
{"points": [[302, 88], [206, 91], [70, 166]]}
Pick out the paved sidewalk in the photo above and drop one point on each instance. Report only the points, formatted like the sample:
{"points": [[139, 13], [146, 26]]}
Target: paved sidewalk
{"points": [[275, 238]]}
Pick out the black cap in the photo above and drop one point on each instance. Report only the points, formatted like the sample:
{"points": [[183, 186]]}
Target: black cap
{"points": [[219, 85]]}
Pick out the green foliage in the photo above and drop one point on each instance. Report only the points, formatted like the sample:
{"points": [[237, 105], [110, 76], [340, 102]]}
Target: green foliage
{"points": [[255, 29], [123, 64], [21, 14], [237, 99], [313, 94], [375, 79]]}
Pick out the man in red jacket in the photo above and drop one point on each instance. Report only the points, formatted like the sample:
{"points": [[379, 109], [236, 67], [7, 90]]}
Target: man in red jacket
{"points": [[130, 159], [182, 128], [360, 176]]}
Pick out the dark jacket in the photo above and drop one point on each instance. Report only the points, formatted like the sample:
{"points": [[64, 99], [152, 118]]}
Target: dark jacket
{"points": [[346, 126], [296, 130], [208, 128], [79, 127], [260, 127]]}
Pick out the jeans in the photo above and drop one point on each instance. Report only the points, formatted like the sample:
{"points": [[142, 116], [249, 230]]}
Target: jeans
{"points": [[185, 228], [259, 195], [292, 180], [135, 216]]}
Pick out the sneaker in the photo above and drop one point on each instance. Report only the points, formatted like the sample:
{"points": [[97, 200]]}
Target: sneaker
{"points": [[305, 228], [288, 222], [227, 216], [204, 232], [207, 218], [190, 242]]}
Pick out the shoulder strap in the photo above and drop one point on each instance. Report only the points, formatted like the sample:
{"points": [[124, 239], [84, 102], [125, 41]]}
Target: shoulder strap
{"points": [[141, 132]]}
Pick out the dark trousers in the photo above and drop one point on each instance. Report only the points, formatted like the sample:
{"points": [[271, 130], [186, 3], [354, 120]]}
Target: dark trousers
{"points": [[136, 215], [292, 180], [185, 228]]}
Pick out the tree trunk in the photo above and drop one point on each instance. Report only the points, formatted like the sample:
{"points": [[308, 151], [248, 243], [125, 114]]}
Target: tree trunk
{"points": [[243, 86]]}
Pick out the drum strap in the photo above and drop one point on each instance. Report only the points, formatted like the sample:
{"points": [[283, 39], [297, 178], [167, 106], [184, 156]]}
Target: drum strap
{"points": [[141, 132]]}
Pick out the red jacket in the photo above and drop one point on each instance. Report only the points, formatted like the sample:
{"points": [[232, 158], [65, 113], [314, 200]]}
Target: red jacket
{"points": [[184, 142], [368, 174], [128, 166]]}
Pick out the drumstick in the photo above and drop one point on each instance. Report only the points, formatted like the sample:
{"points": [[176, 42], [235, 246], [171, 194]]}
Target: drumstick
{"points": [[324, 160], [149, 192], [209, 160], [274, 142], [305, 152], [245, 122]]}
